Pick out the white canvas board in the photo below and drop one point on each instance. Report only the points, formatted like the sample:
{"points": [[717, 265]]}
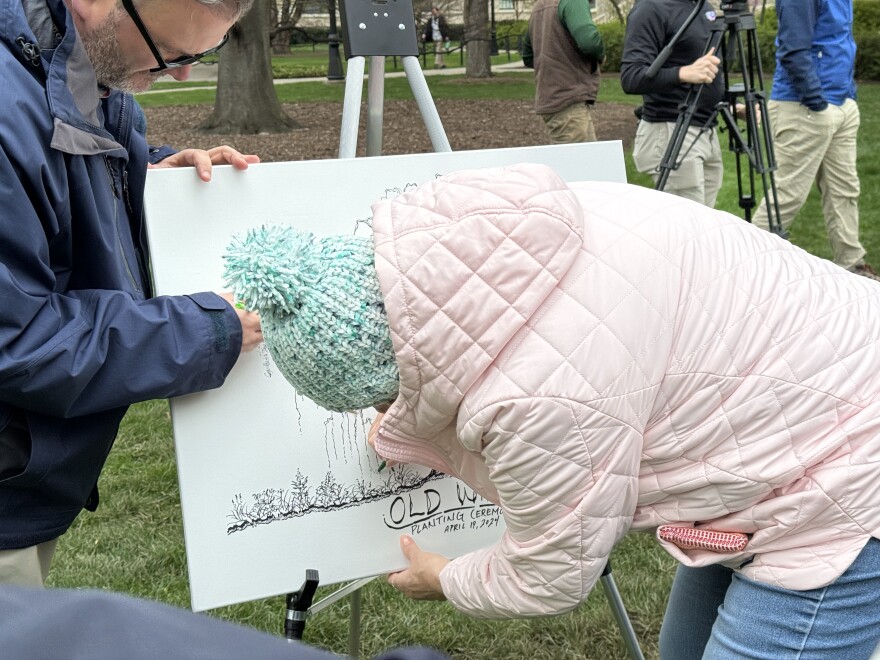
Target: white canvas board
{"points": [[270, 484]]}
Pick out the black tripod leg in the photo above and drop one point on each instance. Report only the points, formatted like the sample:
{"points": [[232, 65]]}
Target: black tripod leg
{"points": [[761, 146], [672, 155], [742, 147], [757, 144], [759, 126], [670, 158], [774, 219]]}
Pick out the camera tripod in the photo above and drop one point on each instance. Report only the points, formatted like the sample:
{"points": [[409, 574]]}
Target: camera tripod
{"points": [[734, 39]]}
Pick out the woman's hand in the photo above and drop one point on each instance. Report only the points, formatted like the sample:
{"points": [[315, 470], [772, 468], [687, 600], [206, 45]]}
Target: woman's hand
{"points": [[371, 440], [203, 160], [421, 581]]}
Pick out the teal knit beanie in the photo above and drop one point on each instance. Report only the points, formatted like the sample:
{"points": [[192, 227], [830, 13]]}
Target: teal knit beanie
{"points": [[321, 311]]}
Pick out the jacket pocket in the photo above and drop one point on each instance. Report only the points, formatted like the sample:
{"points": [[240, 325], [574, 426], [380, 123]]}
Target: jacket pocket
{"points": [[15, 447], [649, 147]]}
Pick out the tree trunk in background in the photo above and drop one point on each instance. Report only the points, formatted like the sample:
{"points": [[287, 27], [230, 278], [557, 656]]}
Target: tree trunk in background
{"points": [[280, 35], [618, 11], [476, 33], [246, 100], [286, 18]]}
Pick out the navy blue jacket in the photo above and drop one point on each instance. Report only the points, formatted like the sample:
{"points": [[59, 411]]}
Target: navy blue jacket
{"points": [[80, 337], [815, 53], [100, 625]]}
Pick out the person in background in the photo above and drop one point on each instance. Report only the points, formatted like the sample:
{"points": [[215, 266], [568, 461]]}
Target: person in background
{"points": [[565, 49], [437, 33], [815, 120], [650, 26], [598, 358], [81, 337]]}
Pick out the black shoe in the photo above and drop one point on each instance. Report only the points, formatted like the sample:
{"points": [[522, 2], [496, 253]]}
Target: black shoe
{"points": [[865, 271]]}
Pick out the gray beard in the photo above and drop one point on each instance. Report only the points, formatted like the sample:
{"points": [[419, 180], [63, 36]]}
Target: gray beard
{"points": [[102, 46]]}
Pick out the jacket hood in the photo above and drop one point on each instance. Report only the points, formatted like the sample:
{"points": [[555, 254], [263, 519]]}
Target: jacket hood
{"points": [[42, 35], [462, 269]]}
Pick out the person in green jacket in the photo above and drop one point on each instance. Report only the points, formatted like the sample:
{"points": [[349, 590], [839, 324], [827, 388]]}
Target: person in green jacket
{"points": [[565, 49]]}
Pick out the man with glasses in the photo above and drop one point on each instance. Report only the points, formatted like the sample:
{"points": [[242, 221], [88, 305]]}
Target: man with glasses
{"points": [[81, 337]]}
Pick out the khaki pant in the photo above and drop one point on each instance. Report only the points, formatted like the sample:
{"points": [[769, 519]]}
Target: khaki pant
{"points": [[27, 567], [700, 171], [439, 49], [818, 146], [573, 124]]}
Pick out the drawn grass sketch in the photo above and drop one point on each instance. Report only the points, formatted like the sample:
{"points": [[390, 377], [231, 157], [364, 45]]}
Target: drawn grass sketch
{"points": [[274, 504]]}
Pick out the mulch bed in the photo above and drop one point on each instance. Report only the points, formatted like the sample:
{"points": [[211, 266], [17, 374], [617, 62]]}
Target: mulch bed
{"points": [[469, 124]]}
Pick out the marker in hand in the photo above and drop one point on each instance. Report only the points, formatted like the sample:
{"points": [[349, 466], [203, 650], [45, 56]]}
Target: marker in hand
{"points": [[371, 440]]}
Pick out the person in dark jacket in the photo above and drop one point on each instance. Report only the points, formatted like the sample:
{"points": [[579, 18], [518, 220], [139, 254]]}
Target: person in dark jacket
{"points": [[565, 49], [815, 120], [650, 26], [101, 625], [437, 33], [81, 337]]}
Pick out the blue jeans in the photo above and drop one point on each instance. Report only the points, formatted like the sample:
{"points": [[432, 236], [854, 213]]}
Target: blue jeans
{"points": [[716, 614]]}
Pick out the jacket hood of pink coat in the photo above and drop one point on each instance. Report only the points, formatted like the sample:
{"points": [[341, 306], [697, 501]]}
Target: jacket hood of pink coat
{"points": [[444, 246]]}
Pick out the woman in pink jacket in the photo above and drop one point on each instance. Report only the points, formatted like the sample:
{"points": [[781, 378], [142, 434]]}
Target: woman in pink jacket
{"points": [[598, 358]]}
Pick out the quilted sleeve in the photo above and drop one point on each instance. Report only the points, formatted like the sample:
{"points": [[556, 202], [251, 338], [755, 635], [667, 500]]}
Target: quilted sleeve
{"points": [[566, 478]]}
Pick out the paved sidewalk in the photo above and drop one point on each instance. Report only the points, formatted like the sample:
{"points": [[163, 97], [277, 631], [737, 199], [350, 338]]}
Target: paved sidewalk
{"points": [[202, 72]]}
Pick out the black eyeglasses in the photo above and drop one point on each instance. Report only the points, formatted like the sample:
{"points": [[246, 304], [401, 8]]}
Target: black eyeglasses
{"points": [[177, 62]]}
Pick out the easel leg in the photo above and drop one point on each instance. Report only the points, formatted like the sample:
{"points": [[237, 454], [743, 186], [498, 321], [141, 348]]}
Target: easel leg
{"points": [[372, 32], [354, 631], [354, 625], [419, 86], [620, 615], [351, 107], [375, 105]]}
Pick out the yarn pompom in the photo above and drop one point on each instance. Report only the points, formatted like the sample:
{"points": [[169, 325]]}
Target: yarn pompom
{"points": [[321, 310], [263, 267]]}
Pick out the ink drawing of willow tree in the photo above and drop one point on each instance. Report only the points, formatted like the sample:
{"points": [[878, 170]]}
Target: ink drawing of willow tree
{"points": [[246, 100]]}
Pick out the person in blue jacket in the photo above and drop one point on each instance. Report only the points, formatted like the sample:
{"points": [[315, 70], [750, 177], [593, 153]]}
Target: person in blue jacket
{"points": [[815, 120], [81, 337], [87, 624]]}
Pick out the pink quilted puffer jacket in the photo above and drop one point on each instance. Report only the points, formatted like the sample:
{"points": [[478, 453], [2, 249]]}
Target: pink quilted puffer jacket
{"points": [[599, 358]]}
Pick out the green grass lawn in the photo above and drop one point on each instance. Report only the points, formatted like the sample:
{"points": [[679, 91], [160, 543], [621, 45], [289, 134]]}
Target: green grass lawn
{"points": [[134, 543]]}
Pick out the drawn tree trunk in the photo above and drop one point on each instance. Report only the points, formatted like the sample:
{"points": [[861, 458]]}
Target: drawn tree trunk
{"points": [[476, 33], [246, 100]]}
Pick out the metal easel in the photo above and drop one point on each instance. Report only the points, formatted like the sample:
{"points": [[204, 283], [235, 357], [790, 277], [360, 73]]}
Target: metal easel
{"points": [[376, 29]]}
